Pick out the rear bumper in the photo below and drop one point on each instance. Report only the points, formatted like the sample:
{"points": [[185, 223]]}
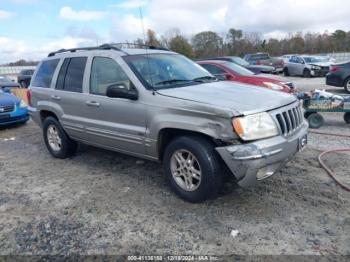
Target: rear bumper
{"points": [[258, 160], [34, 114], [334, 80]]}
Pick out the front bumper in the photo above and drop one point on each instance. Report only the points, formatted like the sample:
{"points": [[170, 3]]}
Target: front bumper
{"points": [[258, 160], [20, 115], [319, 72]]}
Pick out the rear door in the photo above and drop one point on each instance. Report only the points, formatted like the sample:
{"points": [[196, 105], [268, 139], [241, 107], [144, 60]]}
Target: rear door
{"points": [[114, 123], [292, 64], [68, 94]]}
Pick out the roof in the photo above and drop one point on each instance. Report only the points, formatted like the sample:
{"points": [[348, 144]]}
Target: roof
{"points": [[214, 61]]}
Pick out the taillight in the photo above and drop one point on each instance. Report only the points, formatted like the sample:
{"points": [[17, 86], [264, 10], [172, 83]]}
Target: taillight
{"points": [[29, 97], [334, 68]]}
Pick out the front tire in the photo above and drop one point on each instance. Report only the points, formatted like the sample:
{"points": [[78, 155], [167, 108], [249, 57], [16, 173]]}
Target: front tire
{"points": [[306, 73], [56, 140], [347, 85], [23, 84], [192, 168], [347, 117], [285, 71]]}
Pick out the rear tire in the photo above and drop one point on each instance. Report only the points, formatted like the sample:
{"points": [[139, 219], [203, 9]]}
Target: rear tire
{"points": [[315, 120], [205, 174], [347, 117], [306, 73], [285, 71], [23, 84], [347, 85], [56, 140]]}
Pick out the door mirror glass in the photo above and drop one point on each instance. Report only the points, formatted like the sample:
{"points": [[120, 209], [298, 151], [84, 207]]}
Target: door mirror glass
{"points": [[121, 91]]}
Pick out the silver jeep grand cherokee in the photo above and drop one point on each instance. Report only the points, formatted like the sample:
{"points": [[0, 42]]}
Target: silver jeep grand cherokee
{"points": [[159, 105]]}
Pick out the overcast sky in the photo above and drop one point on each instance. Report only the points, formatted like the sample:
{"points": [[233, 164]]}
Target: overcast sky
{"points": [[30, 29]]}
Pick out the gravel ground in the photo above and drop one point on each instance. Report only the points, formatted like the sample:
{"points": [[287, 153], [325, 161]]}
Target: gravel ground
{"points": [[100, 202]]}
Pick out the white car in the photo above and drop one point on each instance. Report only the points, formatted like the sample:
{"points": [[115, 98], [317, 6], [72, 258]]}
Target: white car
{"points": [[306, 66]]}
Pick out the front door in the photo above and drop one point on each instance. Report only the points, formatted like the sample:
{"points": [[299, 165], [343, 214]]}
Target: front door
{"points": [[113, 123]]}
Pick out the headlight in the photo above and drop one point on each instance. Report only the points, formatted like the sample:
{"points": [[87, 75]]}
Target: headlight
{"points": [[255, 126], [273, 86], [22, 104], [315, 67]]}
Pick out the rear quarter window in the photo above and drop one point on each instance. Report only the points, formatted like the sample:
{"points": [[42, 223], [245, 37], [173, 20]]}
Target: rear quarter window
{"points": [[45, 72]]}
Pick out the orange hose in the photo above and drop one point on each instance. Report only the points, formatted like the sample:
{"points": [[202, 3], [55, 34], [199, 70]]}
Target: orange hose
{"points": [[329, 171]]}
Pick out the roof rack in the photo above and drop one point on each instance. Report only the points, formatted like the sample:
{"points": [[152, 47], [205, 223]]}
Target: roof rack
{"points": [[72, 50], [112, 46], [135, 45]]}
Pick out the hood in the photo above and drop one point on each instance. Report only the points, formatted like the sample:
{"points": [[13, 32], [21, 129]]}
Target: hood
{"points": [[241, 98], [272, 78], [8, 99], [322, 64]]}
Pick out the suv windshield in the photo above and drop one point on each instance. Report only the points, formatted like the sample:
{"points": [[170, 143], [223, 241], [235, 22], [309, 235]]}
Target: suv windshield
{"points": [[238, 69], [260, 57], [167, 70], [309, 59]]}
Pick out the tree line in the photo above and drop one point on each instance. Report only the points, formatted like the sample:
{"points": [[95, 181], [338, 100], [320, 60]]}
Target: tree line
{"points": [[235, 42]]}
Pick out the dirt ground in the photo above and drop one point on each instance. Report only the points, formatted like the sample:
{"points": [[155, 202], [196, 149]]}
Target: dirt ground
{"points": [[100, 202]]}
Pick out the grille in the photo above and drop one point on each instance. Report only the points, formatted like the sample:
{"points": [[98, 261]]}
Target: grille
{"points": [[289, 119], [7, 108]]}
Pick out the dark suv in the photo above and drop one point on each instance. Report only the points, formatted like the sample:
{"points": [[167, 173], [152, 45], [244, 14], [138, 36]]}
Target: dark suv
{"points": [[24, 77]]}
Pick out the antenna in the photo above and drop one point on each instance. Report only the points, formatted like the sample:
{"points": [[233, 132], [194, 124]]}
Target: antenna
{"points": [[147, 55]]}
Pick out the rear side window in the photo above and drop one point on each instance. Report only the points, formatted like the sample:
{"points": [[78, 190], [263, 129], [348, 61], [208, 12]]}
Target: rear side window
{"points": [[45, 72], [71, 75], [105, 72]]}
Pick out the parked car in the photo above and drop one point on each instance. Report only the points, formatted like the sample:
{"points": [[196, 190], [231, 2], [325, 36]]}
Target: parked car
{"points": [[339, 75], [257, 69], [265, 59], [159, 105], [13, 110], [225, 70], [7, 84], [24, 77], [306, 66]]}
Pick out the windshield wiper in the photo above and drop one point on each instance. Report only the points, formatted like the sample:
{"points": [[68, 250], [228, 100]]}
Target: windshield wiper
{"points": [[203, 78], [172, 81]]}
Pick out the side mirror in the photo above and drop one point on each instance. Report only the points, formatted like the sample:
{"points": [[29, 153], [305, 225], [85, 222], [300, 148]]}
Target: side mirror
{"points": [[120, 91], [228, 76]]}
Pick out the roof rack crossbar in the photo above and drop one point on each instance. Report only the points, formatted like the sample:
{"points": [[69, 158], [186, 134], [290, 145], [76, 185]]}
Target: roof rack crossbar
{"points": [[140, 45]]}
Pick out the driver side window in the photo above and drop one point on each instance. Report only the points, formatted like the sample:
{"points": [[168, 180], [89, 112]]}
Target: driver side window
{"points": [[105, 72]]}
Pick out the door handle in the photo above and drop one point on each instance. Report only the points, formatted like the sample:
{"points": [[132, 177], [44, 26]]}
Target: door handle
{"points": [[93, 103], [55, 97]]}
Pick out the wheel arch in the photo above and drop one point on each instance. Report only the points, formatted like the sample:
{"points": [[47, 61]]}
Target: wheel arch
{"points": [[166, 135]]}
